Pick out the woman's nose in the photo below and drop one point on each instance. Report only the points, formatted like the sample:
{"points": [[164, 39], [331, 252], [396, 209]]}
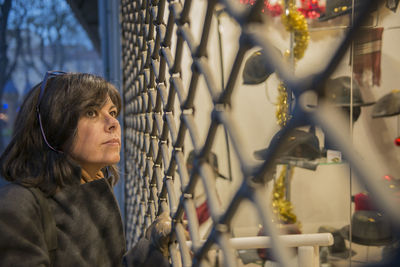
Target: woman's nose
{"points": [[111, 123]]}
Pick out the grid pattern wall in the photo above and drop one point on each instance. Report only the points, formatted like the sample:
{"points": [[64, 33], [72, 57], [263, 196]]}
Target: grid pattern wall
{"points": [[153, 35]]}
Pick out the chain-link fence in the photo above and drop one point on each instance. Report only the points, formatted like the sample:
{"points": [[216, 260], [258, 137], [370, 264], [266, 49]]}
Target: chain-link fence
{"points": [[172, 76]]}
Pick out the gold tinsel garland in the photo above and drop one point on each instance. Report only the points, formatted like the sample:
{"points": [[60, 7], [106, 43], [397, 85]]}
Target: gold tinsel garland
{"points": [[281, 207], [294, 22], [282, 108]]}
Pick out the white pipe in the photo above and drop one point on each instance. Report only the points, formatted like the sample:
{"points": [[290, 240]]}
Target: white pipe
{"points": [[306, 256], [299, 240]]}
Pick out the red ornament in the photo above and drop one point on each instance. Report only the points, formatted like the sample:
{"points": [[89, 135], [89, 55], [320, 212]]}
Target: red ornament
{"points": [[388, 178], [309, 8], [273, 9], [397, 141], [363, 202]]}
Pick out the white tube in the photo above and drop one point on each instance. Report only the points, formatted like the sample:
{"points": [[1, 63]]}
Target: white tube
{"points": [[306, 256], [299, 240]]}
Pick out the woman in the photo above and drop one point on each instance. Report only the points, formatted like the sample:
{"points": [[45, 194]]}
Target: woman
{"points": [[66, 142]]}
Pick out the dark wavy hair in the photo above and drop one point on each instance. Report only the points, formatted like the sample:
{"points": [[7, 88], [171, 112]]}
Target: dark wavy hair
{"points": [[27, 159]]}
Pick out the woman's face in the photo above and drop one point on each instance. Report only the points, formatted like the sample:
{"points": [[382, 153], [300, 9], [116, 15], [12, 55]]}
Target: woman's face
{"points": [[98, 140]]}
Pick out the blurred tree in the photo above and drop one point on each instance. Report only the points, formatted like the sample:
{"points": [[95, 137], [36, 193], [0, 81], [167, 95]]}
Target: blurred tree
{"points": [[8, 63], [53, 27], [35, 36]]}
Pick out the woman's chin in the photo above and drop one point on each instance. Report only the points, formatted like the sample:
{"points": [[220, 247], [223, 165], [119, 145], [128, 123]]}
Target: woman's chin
{"points": [[114, 161]]}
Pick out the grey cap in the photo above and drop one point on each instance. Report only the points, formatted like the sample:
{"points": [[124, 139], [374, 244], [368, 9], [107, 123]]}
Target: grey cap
{"points": [[256, 69], [338, 91], [298, 144], [388, 105], [369, 228]]}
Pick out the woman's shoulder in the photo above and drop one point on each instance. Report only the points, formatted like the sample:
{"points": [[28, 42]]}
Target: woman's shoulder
{"points": [[16, 197], [14, 190]]}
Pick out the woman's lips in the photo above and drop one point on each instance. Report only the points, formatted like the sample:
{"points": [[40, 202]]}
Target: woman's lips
{"points": [[114, 141]]}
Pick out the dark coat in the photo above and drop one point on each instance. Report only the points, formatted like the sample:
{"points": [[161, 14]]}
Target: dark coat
{"points": [[88, 225]]}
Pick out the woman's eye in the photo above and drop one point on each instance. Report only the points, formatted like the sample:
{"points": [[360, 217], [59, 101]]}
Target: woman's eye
{"points": [[91, 113], [113, 113]]}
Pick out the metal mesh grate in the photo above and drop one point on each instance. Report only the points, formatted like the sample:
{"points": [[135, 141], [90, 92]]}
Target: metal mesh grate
{"points": [[159, 97]]}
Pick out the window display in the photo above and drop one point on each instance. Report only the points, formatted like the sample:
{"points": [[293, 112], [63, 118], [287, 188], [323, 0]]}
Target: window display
{"points": [[259, 119]]}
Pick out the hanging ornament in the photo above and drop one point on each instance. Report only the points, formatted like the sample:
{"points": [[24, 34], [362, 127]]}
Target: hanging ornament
{"points": [[274, 9], [397, 141], [309, 8], [281, 207], [282, 106], [247, 2], [295, 22]]}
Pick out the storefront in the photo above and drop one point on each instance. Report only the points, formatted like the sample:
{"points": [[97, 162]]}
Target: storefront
{"points": [[244, 118]]}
